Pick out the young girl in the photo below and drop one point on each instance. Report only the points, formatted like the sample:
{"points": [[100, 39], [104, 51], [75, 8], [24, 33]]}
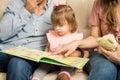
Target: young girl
{"points": [[65, 27]]}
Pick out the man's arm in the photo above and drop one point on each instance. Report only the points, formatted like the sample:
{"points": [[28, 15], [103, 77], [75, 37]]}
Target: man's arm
{"points": [[14, 19]]}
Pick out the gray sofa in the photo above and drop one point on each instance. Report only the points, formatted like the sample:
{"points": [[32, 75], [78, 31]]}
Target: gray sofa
{"points": [[82, 10]]}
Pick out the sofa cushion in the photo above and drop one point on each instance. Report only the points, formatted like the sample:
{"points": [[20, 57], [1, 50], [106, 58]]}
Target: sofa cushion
{"points": [[2, 76], [76, 76], [53, 75], [82, 9]]}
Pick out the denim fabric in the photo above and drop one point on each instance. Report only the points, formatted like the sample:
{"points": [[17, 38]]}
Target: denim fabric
{"points": [[17, 68], [100, 68], [118, 78]]}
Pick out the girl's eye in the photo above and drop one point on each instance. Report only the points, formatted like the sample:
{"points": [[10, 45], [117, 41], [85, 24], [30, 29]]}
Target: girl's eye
{"points": [[61, 25]]}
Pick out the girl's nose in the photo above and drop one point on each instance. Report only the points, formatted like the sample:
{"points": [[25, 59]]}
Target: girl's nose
{"points": [[57, 28]]}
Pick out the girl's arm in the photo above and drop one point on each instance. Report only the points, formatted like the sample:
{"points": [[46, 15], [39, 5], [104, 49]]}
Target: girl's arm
{"points": [[86, 53], [47, 47]]}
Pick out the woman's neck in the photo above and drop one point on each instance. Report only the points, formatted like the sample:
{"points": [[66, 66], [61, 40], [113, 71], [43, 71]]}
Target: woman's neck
{"points": [[41, 7]]}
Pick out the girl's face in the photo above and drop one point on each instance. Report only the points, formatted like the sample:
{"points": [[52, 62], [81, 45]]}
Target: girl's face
{"points": [[62, 30]]}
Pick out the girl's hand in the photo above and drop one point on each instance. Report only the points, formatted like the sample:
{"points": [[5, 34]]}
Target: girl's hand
{"points": [[67, 49], [112, 56], [78, 70]]}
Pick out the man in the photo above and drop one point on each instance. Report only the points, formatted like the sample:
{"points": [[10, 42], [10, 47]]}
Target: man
{"points": [[24, 23]]}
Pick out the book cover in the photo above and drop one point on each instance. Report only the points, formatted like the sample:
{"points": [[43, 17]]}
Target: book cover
{"points": [[46, 57]]}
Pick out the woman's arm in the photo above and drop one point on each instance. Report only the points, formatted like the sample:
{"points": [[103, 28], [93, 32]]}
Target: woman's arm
{"points": [[89, 42]]}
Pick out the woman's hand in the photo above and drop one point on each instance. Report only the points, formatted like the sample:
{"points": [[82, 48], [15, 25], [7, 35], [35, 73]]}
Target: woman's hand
{"points": [[67, 49], [112, 56]]}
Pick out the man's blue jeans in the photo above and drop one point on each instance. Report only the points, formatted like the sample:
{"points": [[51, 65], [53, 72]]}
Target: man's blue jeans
{"points": [[99, 68], [17, 68]]}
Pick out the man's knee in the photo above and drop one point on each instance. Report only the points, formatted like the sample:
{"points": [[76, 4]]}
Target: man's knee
{"points": [[19, 65], [19, 68]]}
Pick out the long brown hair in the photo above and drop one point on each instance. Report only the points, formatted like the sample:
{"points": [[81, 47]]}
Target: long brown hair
{"points": [[109, 13], [62, 13]]}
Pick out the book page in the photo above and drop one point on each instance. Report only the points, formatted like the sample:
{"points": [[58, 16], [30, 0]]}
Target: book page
{"points": [[27, 53], [76, 62], [42, 56]]}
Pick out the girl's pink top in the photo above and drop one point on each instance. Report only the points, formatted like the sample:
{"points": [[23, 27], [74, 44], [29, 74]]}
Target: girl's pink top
{"points": [[56, 40], [96, 18]]}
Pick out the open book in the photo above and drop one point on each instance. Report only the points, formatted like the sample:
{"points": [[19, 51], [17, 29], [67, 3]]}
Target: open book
{"points": [[46, 57]]}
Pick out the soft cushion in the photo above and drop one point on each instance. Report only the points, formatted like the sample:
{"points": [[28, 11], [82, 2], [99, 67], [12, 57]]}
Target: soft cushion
{"points": [[82, 10], [76, 76]]}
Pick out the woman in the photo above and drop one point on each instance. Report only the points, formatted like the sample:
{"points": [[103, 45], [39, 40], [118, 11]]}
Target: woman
{"points": [[104, 19]]}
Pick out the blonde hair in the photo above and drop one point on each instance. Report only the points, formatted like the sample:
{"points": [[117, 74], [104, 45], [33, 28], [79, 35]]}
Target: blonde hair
{"points": [[62, 14], [109, 13]]}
